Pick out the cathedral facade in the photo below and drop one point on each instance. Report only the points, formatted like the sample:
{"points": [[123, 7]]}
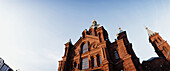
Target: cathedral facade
{"points": [[94, 52]]}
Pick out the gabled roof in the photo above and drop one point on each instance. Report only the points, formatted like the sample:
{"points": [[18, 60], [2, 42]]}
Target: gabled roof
{"points": [[78, 42]]}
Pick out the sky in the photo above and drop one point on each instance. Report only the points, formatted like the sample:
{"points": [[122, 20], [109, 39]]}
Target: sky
{"points": [[33, 32]]}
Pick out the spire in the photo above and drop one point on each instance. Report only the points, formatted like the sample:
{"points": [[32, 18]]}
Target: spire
{"points": [[69, 41], [150, 33]]}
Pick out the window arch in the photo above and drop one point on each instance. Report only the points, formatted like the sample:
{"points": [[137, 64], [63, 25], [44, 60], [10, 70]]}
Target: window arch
{"points": [[85, 47]]}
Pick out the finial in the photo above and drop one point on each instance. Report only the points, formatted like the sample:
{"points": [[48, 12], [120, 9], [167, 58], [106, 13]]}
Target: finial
{"points": [[146, 27], [120, 30], [94, 22]]}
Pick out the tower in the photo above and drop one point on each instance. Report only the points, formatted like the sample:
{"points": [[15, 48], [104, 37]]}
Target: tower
{"points": [[130, 62], [161, 46]]}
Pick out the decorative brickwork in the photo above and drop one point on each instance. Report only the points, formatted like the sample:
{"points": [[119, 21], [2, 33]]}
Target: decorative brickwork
{"points": [[94, 52]]}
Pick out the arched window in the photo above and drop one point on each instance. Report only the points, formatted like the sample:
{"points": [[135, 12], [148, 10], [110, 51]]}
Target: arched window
{"points": [[85, 48], [85, 63]]}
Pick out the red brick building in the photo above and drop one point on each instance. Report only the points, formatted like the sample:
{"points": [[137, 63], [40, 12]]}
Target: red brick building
{"points": [[94, 52]]}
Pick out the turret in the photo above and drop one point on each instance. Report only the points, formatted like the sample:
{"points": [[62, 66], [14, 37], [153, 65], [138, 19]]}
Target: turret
{"points": [[161, 46]]}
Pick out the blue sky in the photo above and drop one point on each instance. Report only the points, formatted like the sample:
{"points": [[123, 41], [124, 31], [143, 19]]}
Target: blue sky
{"points": [[33, 32]]}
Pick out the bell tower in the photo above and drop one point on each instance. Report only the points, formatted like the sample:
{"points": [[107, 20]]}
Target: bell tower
{"points": [[161, 46]]}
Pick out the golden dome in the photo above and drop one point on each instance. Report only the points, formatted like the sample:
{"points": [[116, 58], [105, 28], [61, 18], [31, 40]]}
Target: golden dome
{"points": [[120, 28], [94, 22]]}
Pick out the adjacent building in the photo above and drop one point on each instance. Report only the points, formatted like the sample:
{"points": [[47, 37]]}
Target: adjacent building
{"points": [[4, 66], [95, 52]]}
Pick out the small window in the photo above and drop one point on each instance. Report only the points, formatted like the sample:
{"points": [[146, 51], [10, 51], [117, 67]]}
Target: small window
{"points": [[92, 33], [93, 46], [75, 64], [100, 59], [165, 49], [159, 39], [100, 37], [156, 40], [116, 55], [93, 62], [95, 33]]}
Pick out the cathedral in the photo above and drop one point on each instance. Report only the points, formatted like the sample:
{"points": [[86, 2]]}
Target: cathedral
{"points": [[94, 52]]}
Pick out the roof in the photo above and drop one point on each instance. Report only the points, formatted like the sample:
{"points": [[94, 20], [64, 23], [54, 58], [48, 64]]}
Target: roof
{"points": [[150, 33], [150, 59]]}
